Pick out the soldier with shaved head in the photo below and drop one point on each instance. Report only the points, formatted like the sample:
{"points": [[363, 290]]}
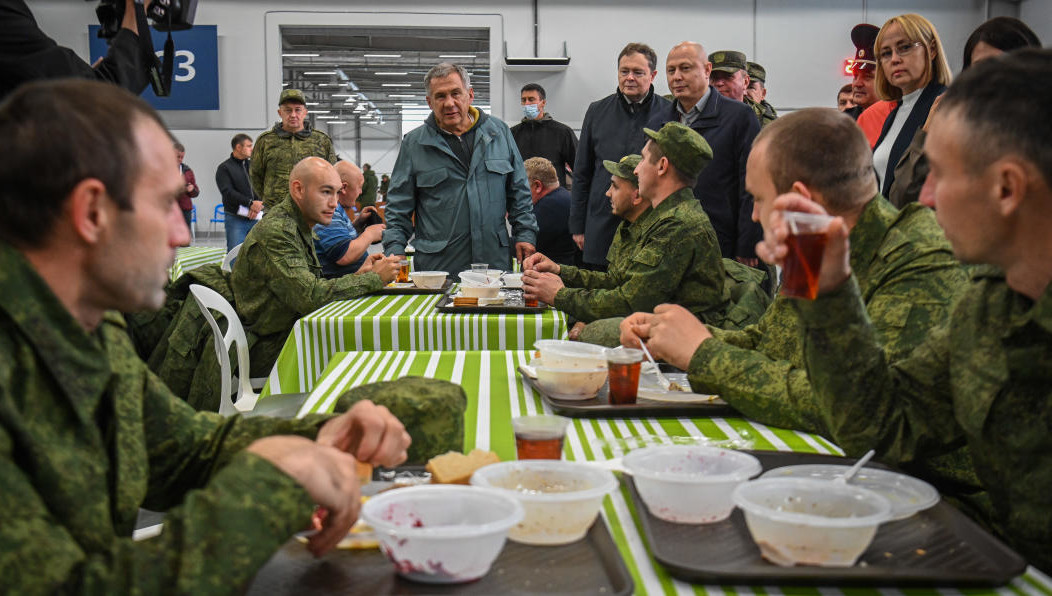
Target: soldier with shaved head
{"points": [[277, 276], [342, 244]]}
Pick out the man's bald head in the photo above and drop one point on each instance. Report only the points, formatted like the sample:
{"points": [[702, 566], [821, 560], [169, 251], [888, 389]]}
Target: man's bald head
{"points": [[353, 179], [687, 69], [313, 184]]}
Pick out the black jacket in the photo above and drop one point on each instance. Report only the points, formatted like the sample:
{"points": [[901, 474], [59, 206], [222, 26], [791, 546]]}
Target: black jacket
{"points": [[612, 129], [549, 139], [234, 184], [918, 116], [553, 235], [729, 127]]}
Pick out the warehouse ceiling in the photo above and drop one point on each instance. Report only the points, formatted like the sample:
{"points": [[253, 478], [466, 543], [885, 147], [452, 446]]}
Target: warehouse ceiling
{"points": [[375, 74]]}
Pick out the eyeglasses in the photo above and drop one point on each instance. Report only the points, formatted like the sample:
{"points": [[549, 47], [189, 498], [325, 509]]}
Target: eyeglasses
{"points": [[903, 49]]}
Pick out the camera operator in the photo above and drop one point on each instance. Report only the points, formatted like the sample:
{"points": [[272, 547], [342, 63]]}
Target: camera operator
{"points": [[27, 53]]}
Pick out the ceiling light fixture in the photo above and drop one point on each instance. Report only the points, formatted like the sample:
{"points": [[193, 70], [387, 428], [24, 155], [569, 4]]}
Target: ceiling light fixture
{"points": [[312, 103], [456, 55], [300, 55], [390, 74], [322, 111], [320, 73], [326, 117], [400, 95], [382, 55], [396, 85]]}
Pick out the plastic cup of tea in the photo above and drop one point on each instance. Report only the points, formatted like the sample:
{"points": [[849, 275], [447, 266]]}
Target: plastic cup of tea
{"points": [[807, 244], [539, 437], [623, 366], [482, 268], [403, 271]]}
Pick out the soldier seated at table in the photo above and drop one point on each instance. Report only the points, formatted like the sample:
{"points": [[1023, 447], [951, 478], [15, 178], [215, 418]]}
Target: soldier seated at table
{"points": [[665, 251], [277, 277], [904, 265], [88, 434]]}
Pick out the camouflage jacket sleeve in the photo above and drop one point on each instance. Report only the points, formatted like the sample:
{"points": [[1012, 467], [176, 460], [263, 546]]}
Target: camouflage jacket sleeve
{"points": [[650, 276], [578, 277], [903, 410], [256, 168]]}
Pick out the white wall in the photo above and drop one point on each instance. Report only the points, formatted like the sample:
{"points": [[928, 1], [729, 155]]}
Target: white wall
{"points": [[802, 43]]}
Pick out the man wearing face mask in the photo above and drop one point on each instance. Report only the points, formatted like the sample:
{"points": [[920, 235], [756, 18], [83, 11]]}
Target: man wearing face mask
{"points": [[540, 135]]}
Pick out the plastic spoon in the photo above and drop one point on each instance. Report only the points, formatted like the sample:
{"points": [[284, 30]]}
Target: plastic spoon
{"points": [[662, 380], [846, 477]]}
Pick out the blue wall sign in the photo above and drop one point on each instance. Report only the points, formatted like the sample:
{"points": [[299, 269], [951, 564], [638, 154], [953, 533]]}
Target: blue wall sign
{"points": [[195, 79]]}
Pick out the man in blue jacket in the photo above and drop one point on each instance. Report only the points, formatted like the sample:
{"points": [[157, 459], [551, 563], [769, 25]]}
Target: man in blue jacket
{"points": [[613, 128], [729, 127], [458, 175]]}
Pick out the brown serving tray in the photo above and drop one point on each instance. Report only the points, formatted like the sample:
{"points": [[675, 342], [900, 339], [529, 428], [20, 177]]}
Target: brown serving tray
{"points": [[415, 290], [600, 405], [445, 304], [936, 547], [590, 565]]}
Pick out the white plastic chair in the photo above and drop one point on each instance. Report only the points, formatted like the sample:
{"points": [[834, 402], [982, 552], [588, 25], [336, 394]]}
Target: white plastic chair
{"points": [[228, 260], [284, 405], [208, 299]]}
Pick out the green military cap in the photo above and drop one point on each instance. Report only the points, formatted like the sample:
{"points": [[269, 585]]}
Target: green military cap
{"points": [[756, 72], [292, 95], [685, 149], [431, 410], [625, 168], [727, 61]]}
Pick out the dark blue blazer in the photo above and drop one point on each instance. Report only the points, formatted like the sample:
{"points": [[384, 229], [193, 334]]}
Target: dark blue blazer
{"points": [[729, 126], [914, 122]]}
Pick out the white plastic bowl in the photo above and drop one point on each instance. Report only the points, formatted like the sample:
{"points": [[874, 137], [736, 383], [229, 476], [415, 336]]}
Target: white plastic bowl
{"points": [[431, 280], [689, 484], [479, 291], [907, 494], [569, 383], [512, 280], [563, 354], [561, 498], [442, 534], [804, 521]]}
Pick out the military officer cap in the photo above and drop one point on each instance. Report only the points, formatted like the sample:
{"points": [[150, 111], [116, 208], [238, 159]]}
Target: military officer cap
{"points": [[727, 61], [685, 149], [756, 72], [625, 168], [292, 95], [864, 36], [432, 411]]}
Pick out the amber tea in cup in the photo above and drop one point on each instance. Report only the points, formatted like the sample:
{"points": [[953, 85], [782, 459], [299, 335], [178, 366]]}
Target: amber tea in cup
{"points": [[807, 244], [403, 271], [539, 437], [623, 366]]}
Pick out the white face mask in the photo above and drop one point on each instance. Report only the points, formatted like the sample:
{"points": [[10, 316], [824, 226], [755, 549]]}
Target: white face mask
{"points": [[530, 111]]}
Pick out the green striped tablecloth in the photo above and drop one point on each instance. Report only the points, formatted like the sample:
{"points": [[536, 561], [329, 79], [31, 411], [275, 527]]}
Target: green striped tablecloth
{"points": [[398, 322], [191, 257], [496, 394]]}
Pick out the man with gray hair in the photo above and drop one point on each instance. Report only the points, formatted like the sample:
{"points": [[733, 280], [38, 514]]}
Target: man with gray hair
{"points": [[459, 174]]}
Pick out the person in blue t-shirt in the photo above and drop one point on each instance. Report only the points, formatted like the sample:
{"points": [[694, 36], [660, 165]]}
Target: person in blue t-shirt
{"points": [[341, 245]]}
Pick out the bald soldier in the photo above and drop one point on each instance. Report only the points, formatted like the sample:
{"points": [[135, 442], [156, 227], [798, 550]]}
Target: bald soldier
{"points": [[903, 262], [87, 434], [277, 277], [674, 255], [342, 244]]}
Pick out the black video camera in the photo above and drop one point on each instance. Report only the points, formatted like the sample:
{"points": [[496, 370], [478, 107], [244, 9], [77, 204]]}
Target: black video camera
{"points": [[164, 15]]}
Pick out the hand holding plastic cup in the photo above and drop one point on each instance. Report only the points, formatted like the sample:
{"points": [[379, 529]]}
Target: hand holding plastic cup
{"points": [[539, 437], [807, 243]]}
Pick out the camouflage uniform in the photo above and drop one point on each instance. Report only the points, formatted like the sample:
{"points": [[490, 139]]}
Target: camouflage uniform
{"points": [[764, 111], [983, 378], [276, 151], [674, 257], [368, 196], [432, 411], [277, 279], [908, 277], [88, 435]]}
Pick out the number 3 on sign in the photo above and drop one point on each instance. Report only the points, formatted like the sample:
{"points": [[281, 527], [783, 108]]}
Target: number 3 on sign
{"points": [[184, 65]]}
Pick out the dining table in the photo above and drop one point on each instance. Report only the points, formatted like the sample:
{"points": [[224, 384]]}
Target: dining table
{"points": [[399, 322], [191, 257], [496, 392]]}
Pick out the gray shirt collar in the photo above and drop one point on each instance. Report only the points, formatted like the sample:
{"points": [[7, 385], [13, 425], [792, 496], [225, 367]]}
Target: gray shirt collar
{"points": [[689, 116]]}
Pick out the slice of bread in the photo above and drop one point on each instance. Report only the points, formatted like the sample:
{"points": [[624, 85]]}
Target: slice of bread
{"points": [[457, 468]]}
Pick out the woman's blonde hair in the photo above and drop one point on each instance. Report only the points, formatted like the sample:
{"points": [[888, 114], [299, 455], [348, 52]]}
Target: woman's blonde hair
{"points": [[915, 28]]}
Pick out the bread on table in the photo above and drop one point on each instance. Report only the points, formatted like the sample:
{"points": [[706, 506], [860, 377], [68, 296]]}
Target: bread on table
{"points": [[457, 468]]}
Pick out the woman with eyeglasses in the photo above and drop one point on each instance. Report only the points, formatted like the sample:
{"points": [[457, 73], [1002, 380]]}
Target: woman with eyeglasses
{"points": [[912, 71]]}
